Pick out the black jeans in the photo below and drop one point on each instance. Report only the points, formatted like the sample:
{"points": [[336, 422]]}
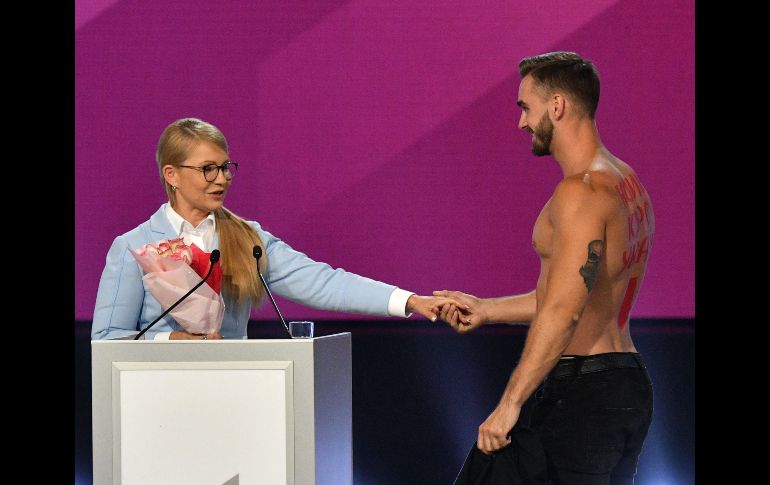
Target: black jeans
{"points": [[592, 415]]}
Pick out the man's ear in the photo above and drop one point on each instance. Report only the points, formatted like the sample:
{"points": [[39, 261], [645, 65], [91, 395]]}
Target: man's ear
{"points": [[557, 106]]}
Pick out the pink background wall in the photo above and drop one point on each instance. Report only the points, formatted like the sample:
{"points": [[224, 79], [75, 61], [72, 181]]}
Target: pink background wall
{"points": [[381, 137]]}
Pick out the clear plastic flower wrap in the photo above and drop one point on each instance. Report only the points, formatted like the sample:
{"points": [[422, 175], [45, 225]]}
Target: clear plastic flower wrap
{"points": [[171, 269]]}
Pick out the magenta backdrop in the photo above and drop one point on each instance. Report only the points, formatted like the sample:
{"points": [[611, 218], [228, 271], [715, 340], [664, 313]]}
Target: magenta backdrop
{"points": [[381, 137]]}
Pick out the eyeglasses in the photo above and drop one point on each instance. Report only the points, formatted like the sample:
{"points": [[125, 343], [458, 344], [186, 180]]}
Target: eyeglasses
{"points": [[211, 171]]}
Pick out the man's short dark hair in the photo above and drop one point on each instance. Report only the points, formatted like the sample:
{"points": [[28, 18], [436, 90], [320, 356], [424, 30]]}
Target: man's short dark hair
{"points": [[568, 72]]}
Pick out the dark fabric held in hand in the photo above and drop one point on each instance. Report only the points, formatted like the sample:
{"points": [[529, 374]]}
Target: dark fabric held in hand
{"points": [[522, 462]]}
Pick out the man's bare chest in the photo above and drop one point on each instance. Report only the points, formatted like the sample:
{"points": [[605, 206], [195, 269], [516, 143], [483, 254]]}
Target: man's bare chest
{"points": [[542, 233]]}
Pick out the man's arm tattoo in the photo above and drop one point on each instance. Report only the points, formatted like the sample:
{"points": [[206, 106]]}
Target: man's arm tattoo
{"points": [[590, 270]]}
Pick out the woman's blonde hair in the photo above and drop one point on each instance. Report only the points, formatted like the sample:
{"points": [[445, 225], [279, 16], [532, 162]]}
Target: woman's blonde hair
{"points": [[236, 237]]}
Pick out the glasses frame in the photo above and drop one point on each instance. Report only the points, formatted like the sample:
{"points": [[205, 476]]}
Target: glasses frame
{"points": [[220, 168]]}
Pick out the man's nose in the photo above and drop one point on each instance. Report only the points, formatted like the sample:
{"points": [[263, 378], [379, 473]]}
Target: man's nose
{"points": [[522, 121]]}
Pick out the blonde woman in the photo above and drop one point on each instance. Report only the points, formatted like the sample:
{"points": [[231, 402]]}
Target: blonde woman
{"points": [[196, 174]]}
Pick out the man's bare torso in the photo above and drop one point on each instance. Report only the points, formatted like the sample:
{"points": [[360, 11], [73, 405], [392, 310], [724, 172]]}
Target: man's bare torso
{"points": [[628, 232]]}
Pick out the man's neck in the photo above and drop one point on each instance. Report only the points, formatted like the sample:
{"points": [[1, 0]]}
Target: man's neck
{"points": [[577, 148]]}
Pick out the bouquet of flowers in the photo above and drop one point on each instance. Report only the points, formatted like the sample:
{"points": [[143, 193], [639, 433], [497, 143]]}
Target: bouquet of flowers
{"points": [[172, 268]]}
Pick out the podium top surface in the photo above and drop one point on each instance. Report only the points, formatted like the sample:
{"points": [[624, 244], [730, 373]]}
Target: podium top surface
{"points": [[123, 340], [305, 349]]}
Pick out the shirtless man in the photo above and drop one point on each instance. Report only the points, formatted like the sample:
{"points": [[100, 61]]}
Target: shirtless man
{"points": [[593, 238]]}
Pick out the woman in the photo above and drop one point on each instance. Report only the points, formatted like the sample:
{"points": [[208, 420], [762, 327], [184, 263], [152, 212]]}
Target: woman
{"points": [[196, 173]]}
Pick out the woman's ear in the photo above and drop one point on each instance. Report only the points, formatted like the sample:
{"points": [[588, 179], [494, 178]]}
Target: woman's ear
{"points": [[170, 175]]}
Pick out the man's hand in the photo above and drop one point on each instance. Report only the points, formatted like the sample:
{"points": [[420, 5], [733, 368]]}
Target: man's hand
{"points": [[428, 306], [469, 315], [493, 433]]}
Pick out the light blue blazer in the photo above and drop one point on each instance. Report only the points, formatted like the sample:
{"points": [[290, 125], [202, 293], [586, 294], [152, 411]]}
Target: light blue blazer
{"points": [[124, 305]]}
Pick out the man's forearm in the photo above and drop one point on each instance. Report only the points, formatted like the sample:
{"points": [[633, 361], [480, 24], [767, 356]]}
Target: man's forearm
{"points": [[517, 309], [548, 337]]}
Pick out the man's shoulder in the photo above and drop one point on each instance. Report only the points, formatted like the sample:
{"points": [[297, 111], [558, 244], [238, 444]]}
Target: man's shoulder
{"points": [[590, 189], [589, 185]]}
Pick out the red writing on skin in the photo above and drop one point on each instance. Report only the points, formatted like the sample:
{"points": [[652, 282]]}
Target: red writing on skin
{"points": [[637, 218], [636, 252], [628, 298], [630, 190]]}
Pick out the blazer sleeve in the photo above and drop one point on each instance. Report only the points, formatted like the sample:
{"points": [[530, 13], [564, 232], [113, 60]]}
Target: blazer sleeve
{"points": [[120, 297], [295, 276]]}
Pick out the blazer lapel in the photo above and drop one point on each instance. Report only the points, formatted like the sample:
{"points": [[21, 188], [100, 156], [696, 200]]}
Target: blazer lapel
{"points": [[162, 229], [160, 225]]}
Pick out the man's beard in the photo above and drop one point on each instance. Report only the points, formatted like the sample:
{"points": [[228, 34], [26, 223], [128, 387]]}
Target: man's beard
{"points": [[541, 143]]}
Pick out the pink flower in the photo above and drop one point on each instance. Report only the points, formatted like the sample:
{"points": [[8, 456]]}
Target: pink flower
{"points": [[174, 249]]}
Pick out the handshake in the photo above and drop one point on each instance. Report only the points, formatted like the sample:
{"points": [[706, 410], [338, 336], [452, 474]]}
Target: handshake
{"points": [[461, 311]]}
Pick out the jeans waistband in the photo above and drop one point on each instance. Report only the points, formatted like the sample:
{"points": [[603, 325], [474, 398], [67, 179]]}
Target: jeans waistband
{"points": [[587, 364]]}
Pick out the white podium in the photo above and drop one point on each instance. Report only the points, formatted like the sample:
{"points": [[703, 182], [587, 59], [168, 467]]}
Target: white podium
{"points": [[217, 412]]}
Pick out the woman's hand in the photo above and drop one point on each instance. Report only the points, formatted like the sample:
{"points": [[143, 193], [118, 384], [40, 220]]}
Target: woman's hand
{"points": [[428, 306], [177, 335], [468, 315]]}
